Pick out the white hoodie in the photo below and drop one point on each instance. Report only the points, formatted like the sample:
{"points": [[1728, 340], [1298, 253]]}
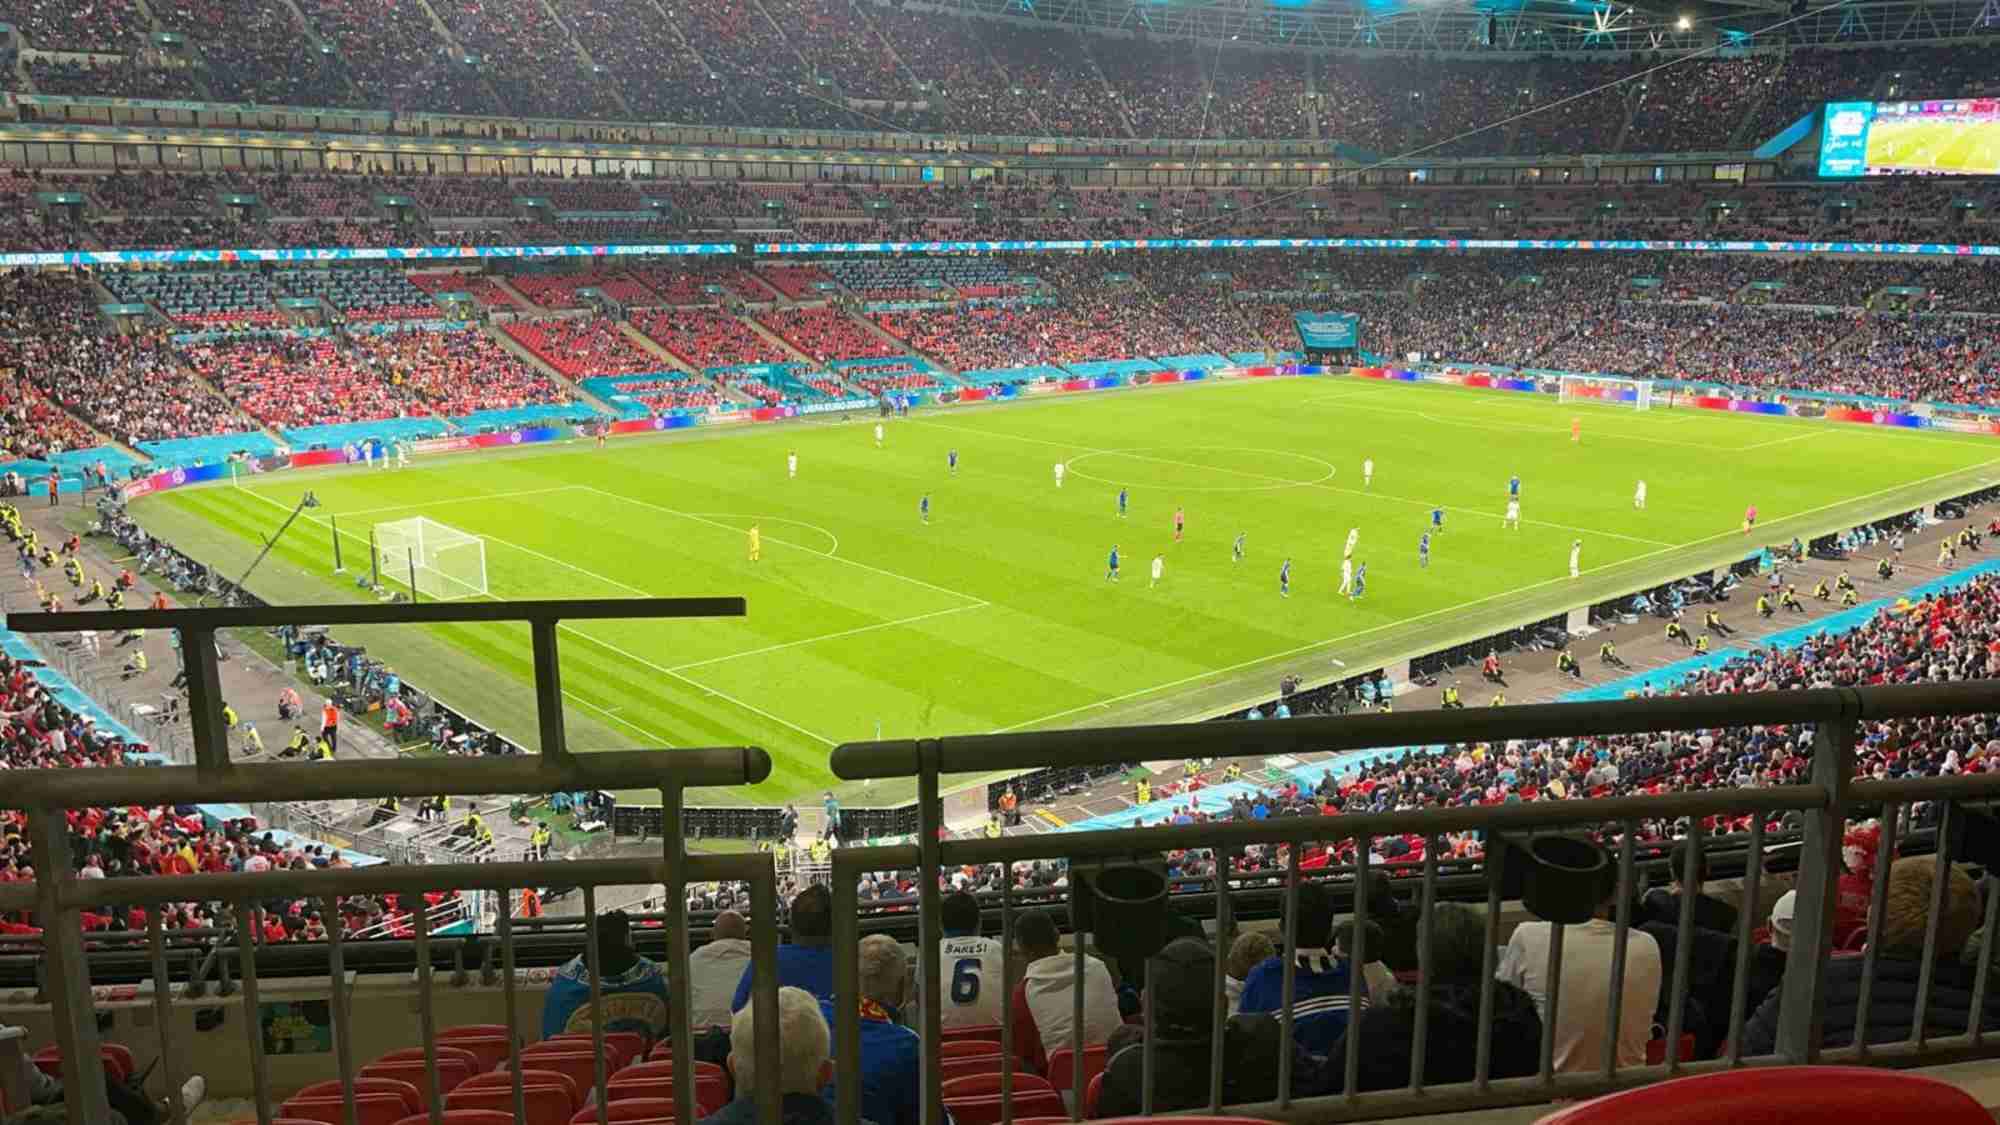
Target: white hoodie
{"points": [[1046, 985]]}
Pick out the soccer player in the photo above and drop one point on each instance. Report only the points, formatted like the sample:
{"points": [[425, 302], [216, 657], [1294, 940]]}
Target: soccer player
{"points": [[1159, 568], [1437, 520], [1111, 568], [1180, 523], [1367, 471], [1896, 545], [951, 461], [1575, 553], [1424, 551], [603, 431], [756, 543], [1353, 537], [1514, 486], [1285, 579], [1124, 496], [1060, 470], [1346, 576], [1749, 518], [1576, 431], [1236, 548], [924, 508], [791, 464], [403, 447], [878, 435], [1513, 517], [1360, 582], [1639, 496]]}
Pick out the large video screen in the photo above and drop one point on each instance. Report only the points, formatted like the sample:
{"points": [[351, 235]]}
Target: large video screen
{"points": [[1939, 138]]}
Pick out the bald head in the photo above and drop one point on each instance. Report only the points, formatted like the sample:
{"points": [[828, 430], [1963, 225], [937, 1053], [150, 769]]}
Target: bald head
{"points": [[730, 924]]}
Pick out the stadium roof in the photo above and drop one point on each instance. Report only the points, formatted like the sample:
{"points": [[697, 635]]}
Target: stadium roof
{"points": [[1515, 27]]}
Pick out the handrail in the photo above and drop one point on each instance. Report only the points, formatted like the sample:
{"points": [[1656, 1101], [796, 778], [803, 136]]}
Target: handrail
{"points": [[375, 613]]}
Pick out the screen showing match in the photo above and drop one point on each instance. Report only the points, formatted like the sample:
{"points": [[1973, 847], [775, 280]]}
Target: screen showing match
{"points": [[1933, 138]]}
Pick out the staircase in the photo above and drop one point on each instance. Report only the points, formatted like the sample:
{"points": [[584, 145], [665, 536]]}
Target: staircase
{"points": [[513, 347], [653, 347], [519, 298], [777, 341]]}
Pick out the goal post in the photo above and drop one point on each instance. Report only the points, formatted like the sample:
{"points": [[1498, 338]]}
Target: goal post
{"points": [[440, 561], [1606, 390]]}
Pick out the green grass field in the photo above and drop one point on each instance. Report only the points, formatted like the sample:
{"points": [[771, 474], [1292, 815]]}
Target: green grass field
{"points": [[1918, 145], [996, 615]]}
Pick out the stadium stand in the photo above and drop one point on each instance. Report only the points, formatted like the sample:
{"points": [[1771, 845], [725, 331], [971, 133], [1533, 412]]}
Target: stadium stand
{"points": [[201, 298], [360, 294], [292, 383], [581, 348], [455, 373], [824, 334], [703, 339]]}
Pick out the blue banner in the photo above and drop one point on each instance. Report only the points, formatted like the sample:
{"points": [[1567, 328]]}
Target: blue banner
{"points": [[1938, 249], [1327, 331], [350, 254], [1843, 138]]}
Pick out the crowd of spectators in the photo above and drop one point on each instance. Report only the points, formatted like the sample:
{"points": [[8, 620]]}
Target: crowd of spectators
{"points": [[529, 58], [455, 373], [395, 57], [582, 347], [58, 25], [703, 339], [287, 383], [823, 333]]}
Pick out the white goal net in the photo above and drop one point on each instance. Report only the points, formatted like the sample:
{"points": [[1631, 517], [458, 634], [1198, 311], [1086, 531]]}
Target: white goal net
{"points": [[435, 560], [1607, 390]]}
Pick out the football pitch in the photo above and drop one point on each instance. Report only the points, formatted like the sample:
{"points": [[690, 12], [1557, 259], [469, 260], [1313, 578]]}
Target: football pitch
{"points": [[1917, 144], [996, 615]]}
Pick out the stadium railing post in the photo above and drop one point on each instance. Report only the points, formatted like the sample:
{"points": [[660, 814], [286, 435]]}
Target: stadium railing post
{"points": [[67, 968], [930, 931], [1802, 1007]]}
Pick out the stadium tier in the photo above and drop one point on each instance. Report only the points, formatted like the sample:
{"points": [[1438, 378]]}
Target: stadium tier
{"points": [[937, 527]]}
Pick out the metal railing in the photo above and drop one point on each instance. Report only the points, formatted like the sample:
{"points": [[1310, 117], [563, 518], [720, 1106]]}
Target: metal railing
{"points": [[57, 896], [1825, 799]]}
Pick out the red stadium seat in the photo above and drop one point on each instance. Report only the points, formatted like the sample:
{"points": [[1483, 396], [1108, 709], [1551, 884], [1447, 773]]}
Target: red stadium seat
{"points": [[983, 1064], [579, 1066], [369, 1109], [664, 1068], [968, 1048], [117, 1060], [463, 1117], [1093, 1092], [502, 1080], [622, 1046], [1656, 1050], [1788, 1095], [710, 1093], [985, 1085], [986, 1111], [632, 1111], [955, 1034], [546, 1105], [1059, 1066], [412, 1096], [488, 1051], [452, 1070]]}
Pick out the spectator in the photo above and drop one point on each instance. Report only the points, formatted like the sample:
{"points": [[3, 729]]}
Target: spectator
{"points": [[1663, 904], [1451, 1045], [1581, 1036], [891, 1072], [804, 1064], [1319, 1000], [974, 967], [1249, 950], [1043, 1000], [1899, 965], [633, 989], [1180, 987], [715, 968], [807, 960]]}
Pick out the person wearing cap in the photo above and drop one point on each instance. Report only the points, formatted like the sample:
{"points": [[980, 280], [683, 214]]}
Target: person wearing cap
{"points": [[1180, 987], [1451, 1045], [1898, 945]]}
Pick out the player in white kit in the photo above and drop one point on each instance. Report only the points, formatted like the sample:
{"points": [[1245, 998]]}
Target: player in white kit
{"points": [[878, 435], [1060, 470], [1513, 517], [1353, 537], [1159, 568], [1367, 471], [1575, 553], [791, 463], [974, 968], [1639, 496], [1346, 575]]}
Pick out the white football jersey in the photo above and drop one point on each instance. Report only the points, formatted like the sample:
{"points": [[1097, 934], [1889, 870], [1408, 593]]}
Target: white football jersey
{"points": [[975, 981]]}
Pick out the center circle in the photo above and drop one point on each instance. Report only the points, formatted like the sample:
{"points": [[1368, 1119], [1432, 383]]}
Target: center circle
{"points": [[1245, 468]]}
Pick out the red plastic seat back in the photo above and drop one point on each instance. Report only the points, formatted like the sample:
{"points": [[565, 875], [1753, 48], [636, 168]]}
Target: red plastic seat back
{"points": [[968, 1048], [955, 1034], [502, 1080], [988, 1085], [546, 1105], [368, 1084], [986, 1111], [451, 1072], [1093, 1092], [664, 1068], [1786, 1095], [580, 1067], [487, 1051], [983, 1064], [369, 1109], [620, 1047], [463, 1117], [710, 1094], [1060, 1063], [117, 1060], [629, 1110]]}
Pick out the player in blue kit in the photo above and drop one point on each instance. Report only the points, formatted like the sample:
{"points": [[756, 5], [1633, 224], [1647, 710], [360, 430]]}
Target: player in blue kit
{"points": [[1285, 579], [1111, 569], [1124, 497], [1514, 486], [1360, 582], [1424, 551], [951, 461], [1437, 521], [1236, 548], [924, 508]]}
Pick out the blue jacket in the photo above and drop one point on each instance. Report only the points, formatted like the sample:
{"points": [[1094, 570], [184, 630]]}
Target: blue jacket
{"points": [[891, 1071], [798, 1109], [808, 966], [634, 1000], [1319, 1005]]}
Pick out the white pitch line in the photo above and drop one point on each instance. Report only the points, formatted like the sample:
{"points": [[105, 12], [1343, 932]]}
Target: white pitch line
{"points": [[1782, 441], [1286, 481], [607, 645], [1290, 652], [456, 500], [859, 629], [786, 543]]}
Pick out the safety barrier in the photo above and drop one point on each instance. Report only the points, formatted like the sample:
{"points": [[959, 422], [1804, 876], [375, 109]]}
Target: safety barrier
{"points": [[1825, 801]]}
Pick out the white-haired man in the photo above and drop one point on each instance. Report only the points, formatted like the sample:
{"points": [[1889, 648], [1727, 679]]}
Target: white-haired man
{"points": [[804, 1067], [891, 1068]]}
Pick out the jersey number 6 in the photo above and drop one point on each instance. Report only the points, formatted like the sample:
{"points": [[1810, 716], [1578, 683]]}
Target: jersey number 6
{"points": [[965, 981]]}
